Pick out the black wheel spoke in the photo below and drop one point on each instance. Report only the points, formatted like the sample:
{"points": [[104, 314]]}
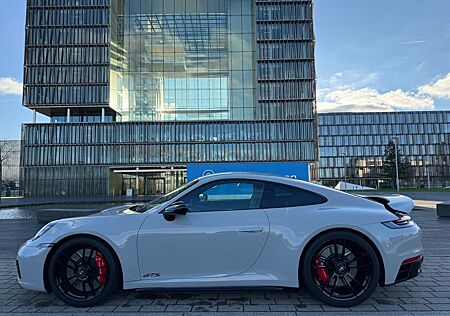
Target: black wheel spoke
{"points": [[356, 281], [83, 285], [65, 265], [359, 258], [334, 285], [359, 266], [343, 248], [336, 253], [350, 286], [69, 258], [67, 280]]}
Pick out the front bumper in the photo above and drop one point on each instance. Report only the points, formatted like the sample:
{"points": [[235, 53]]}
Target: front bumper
{"points": [[30, 267]]}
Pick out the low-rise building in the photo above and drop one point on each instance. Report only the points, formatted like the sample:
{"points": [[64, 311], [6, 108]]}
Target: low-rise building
{"points": [[352, 147], [10, 166]]}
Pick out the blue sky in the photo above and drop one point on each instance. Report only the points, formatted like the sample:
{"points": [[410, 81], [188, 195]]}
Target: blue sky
{"points": [[383, 55]]}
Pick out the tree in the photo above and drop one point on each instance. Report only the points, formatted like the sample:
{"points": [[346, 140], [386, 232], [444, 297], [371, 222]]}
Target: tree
{"points": [[5, 154], [388, 168]]}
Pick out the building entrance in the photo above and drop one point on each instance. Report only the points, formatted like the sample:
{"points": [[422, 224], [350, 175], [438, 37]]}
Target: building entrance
{"points": [[146, 181]]}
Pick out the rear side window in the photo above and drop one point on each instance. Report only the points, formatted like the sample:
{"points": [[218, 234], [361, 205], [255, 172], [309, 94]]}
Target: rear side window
{"points": [[279, 195]]}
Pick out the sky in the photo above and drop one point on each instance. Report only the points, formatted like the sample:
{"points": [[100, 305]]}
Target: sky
{"points": [[383, 55]]}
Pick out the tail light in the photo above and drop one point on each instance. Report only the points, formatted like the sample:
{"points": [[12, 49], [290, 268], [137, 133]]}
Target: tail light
{"points": [[401, 222]]}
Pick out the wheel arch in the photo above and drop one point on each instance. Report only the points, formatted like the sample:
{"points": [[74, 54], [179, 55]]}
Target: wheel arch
{"points": [[381, 280], [67, 238]]}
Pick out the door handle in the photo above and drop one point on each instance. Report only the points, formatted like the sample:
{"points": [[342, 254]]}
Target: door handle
{"points": [[251, 230]]}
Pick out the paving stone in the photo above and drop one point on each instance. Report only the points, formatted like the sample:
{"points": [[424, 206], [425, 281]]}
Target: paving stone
{"points": [[282, 308], [308, 308], [415, 307], [178, 308], [262, 301], [363, 308], [413, 300], [256, 308], [439, 307], [51, 309], [153, 308], [128, 308], [387, 308], [290, 301], [204, 308], [438, 300], [103, 308], [231, 308]]}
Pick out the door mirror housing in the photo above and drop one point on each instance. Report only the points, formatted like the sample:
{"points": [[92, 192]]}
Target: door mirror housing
{"points": [[175, 210]]}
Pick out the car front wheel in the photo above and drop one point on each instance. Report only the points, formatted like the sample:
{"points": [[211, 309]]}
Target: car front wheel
{"points": [[83, 272], [341, 269]]}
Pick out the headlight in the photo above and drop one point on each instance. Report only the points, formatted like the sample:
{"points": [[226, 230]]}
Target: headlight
{"points": [[43, 230]]}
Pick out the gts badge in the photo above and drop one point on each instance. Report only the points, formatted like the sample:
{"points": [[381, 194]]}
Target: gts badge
{"points": [[151, 275]]}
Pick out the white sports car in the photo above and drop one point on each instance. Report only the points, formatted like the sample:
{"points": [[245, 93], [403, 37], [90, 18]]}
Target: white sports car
{"points": [[228, 230]]}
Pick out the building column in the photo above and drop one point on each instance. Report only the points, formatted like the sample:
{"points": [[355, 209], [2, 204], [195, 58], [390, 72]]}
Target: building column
{"points": [[34, 117], [68, 115], [137, 181], [103, 115]]}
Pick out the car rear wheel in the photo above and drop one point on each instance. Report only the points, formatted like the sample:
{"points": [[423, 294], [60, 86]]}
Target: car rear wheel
{"points": [[83, 272], [341, 269]]}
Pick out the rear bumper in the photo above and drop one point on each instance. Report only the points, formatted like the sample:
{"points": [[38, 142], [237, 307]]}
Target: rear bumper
{"points": [[396, 246], [409, 269]]}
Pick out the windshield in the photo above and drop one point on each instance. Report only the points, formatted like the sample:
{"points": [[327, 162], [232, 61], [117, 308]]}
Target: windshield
{"points": [[169, 196]]}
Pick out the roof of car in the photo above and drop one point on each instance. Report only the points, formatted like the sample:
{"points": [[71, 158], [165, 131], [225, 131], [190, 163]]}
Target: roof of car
{"points": [[246, 175]]}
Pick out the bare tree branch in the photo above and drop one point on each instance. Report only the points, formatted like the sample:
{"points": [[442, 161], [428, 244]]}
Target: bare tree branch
{"points": [[5, 151]]}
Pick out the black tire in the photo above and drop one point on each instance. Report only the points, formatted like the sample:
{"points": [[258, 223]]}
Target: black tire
{"points": [[83, 272], [340, 268]]}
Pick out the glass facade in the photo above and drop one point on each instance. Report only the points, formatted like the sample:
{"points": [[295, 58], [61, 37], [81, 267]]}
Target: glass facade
{"points": [[66, 55], [158, 84], [356, 142], [183, 60]]}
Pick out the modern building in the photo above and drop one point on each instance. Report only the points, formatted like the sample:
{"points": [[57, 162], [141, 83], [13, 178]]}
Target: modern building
{"points": [[136, 90], [10, 166], [352, 146]]}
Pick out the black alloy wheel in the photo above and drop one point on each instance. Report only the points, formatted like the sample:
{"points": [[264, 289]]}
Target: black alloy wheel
{"points": [[83, 272], [341, 269]]}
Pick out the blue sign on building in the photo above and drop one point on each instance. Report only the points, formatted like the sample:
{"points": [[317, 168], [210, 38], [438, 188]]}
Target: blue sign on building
{"points": [[298, 170]]}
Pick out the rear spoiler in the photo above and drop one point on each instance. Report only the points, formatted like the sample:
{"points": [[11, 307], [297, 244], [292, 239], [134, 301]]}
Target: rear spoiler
{"points": [[393, 203]]}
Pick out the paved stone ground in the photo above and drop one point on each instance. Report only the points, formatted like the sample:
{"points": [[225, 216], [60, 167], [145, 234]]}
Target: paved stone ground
{"points": [[428, 294]]}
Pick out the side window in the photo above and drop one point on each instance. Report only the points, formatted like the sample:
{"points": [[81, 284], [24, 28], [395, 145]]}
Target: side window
{"points": [[279, 195], [225, 196]]}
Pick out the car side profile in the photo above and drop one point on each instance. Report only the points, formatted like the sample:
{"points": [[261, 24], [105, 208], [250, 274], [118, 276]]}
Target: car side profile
{"points": [[228, 230]]}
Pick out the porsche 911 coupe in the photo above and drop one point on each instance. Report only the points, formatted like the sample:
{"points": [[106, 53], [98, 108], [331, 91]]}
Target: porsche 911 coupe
{"points": [[228, 230]]}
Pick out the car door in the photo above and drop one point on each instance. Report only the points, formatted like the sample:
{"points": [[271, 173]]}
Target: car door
{"points": [[223, 234]]}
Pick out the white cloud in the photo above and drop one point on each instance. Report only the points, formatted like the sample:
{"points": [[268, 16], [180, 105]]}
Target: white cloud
{"points": [[370, 100], [438, 89], [10, 86]]}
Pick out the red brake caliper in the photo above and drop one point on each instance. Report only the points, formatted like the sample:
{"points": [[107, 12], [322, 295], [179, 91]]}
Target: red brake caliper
{"points": [[102, 268], [321, 272]]}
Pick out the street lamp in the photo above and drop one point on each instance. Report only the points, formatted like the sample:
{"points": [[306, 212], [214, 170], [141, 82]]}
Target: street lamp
{"points": [[397, 181], [345, 170]]}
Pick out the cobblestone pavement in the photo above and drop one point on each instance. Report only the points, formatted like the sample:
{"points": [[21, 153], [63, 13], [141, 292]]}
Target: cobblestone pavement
{"points": [[428, 294]]}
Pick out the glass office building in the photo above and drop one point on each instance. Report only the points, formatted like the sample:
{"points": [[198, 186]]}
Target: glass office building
{"points": [[137, 89], [355, 143]]}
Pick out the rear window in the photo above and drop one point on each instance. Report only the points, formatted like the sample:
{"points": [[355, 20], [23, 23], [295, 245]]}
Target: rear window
{"points": [[280, 195]]}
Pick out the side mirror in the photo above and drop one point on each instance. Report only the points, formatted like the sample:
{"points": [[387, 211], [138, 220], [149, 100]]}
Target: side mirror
{"points": [[173, 210]]}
